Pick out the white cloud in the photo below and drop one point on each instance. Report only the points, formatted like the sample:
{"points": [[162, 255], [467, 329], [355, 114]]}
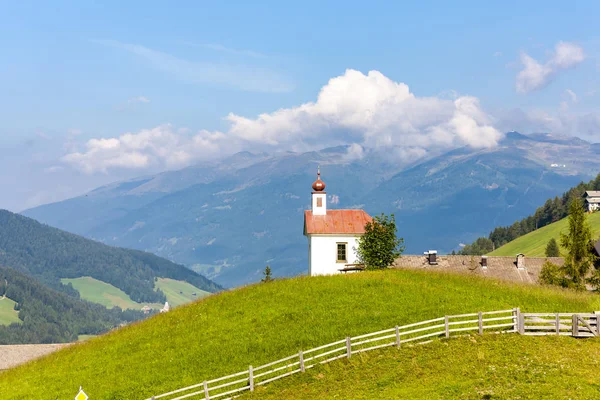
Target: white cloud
{"points": [[571, 95], [567, 55], [374, 111], [239, 76], [497, 54], [562, 121], [356, 109], [536, 75], [160, 147], [138, 99]]}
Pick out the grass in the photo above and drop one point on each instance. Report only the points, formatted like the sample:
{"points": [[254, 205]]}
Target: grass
{"points": [[487, 367], [226, 332], [177, 292], [534, 243], [7, 313], [104, 293]]}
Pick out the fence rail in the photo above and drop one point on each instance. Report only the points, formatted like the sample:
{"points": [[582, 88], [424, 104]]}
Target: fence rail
{"points": [[579, 325]]}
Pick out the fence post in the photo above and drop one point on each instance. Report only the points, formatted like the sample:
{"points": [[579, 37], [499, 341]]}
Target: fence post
{"points": [[515, 314], [447, 326], [521, 323], [251, 378], [557, 323], [206, 396], [397, 336], [597, 322], [480, 322], [575, 325], [348, 347], [301, 356]]}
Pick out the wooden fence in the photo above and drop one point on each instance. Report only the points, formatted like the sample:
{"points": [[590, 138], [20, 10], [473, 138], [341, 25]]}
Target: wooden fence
{"points": [[504, 321]]}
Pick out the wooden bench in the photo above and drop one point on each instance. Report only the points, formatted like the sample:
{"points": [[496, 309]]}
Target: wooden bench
{"points": [[352, 267]]}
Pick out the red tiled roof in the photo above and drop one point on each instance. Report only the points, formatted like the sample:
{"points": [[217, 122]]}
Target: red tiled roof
{"points": [[336, 221]]}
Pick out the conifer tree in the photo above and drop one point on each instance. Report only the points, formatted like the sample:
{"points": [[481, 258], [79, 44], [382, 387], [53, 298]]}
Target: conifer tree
{"points": [[577, 242], [267, 275], [552, 249]]}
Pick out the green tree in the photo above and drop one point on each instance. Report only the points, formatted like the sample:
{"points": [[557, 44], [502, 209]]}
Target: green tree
{"points": [[479, 247], [578, 245], [552, 249], [379, 246], [552, 274], [267, 275]]}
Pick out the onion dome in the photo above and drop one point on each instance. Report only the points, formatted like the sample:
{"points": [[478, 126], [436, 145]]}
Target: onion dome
{"points": [[318, 185]]}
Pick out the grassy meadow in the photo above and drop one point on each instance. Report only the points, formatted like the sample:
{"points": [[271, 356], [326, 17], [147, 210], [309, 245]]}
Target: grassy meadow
{"points": [[226, 332], [486, 367], [534, 243], [177, 292], [7, 313]]}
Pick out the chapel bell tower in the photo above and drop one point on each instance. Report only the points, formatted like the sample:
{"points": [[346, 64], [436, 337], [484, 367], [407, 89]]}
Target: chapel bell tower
{"points": [[319, 196]]}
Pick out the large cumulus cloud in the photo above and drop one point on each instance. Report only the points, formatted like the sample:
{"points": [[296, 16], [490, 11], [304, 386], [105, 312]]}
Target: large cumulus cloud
{"points": [[363, 110]]}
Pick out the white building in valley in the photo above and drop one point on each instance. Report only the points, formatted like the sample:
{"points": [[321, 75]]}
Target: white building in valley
{"points": [[332, 234], [592, 200]]}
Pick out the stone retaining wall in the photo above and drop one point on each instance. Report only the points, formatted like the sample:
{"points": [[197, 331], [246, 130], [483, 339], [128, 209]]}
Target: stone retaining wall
{"points": [[13, 355], [504, 268]]}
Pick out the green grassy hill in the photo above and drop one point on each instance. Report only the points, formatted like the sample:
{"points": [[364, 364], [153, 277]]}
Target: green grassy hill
{"points": [[7, 313], [225, 333], [487, 367], [534, 243]]}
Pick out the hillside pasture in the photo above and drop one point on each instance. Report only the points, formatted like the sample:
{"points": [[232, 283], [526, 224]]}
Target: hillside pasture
{"points": [[534, 243], [8, 315], [177, 292], [103, 293], [225, 333]]}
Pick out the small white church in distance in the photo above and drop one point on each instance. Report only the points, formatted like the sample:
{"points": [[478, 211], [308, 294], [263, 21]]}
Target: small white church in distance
{"points": [[332, 234]]}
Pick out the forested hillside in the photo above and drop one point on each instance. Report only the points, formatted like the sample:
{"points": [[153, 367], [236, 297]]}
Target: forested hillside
{"points": [[50, 254], [552, 211], [51, 317]]}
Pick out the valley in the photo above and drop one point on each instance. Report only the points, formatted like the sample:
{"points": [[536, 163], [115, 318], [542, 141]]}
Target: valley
{"points": [[228, 219], [66, 286]]}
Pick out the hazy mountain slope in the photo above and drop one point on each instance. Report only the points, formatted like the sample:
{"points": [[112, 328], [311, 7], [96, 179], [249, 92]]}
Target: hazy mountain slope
{"points": [[248, 219], [228, 220], [463, 194], [50, 254]]}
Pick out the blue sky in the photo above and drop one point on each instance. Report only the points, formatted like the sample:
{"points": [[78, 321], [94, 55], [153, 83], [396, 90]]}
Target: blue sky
{"points": [[79, 71]]}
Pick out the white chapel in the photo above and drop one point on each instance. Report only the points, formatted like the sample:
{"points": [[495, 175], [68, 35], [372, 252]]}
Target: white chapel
{"points": [[332, 234]]}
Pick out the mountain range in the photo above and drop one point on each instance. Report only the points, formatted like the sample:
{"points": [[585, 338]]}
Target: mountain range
{"points": [[229, 219]]}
